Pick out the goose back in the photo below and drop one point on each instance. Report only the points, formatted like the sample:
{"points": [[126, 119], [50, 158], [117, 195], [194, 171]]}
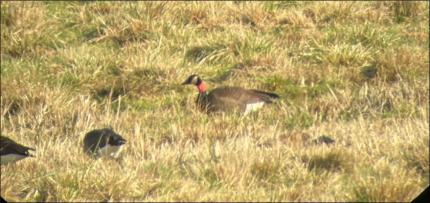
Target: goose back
{"points": [[233, 98]]}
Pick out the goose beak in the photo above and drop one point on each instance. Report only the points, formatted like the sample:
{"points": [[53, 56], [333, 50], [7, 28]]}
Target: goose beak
{"points": [[121, 142], [185, 83], [30, 154]]}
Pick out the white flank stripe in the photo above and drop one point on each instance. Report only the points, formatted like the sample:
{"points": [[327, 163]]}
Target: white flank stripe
{"points": [[110, 151], [253, 107], [5, 159]]}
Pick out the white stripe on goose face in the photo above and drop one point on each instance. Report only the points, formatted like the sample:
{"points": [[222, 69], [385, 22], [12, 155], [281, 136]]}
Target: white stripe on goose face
{"points": [[110, 151], [9, 158], [253, 107]]}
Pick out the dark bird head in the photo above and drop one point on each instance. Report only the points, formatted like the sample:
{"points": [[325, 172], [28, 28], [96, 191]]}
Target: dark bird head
{"points": [[100, 137], [99, 142], [27, 152], [324, 139], [192, 80], [114, 138], [117, 141]]}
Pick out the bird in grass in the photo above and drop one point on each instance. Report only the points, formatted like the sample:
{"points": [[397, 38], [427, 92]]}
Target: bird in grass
{"points": [[228, 98], [103, 143], [324, 139], [10, 151]]}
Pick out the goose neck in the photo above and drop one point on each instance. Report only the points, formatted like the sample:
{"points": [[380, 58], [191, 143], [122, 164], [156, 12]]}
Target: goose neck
{"points": [[202, 88]]}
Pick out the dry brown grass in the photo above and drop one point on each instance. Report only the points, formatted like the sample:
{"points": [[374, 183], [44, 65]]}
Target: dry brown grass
{"points": [[355, 71]]}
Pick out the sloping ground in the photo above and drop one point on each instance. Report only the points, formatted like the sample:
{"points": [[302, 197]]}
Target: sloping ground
{"points": [[354, 71]]}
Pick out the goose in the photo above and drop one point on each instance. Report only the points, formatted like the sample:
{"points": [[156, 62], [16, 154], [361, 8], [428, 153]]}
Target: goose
{"points": [[10, 151], [323, 139], [103, 143], [229, 98]]}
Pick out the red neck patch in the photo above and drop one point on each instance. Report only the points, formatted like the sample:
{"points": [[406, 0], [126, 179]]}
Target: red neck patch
{"points": [[202, 87]]}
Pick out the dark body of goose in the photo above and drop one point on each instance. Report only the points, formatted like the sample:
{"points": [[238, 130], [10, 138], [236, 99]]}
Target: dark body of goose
{"points": [[10, 151], [103, 143], [229, 98]]}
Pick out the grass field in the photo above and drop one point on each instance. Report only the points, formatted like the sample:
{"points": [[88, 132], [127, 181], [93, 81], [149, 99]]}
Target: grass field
{"points": [[355, 71]]}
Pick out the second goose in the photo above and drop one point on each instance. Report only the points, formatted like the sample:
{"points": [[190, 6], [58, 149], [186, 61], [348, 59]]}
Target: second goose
{"points": [[103, 143]]}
